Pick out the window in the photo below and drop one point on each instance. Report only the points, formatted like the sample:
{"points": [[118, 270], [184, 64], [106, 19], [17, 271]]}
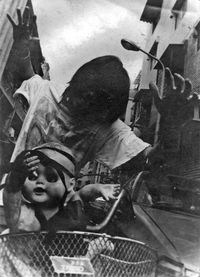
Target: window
{"points": [[197, 35], [153, 52], [151, 12], [178, 11], [154, 23]]}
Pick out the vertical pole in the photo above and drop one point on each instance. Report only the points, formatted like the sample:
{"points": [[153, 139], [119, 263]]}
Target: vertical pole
{"points": [[161, 96]]}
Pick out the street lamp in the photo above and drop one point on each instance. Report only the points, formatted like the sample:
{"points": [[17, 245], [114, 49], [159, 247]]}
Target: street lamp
{"points": [[132, 46]]}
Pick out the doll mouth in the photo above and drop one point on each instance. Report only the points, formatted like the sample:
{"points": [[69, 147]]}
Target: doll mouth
{"points": [[39, 190]]}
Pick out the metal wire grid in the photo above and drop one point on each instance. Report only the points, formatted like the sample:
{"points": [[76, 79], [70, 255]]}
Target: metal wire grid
{"points": [[28, 254]]}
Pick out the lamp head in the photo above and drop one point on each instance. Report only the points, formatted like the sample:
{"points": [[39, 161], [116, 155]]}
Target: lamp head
{"points": [[129, 45]]}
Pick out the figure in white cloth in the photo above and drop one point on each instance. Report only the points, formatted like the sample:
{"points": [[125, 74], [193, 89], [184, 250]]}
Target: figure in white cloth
{"points": [[87, 117]]}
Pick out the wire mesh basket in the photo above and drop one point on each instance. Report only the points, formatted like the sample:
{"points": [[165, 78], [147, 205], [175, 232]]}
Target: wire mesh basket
{"points": [[74, 254]]}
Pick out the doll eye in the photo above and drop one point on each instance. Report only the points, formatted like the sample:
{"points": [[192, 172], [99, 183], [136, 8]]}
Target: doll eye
{"points": [[51, 174], [33, 176]]}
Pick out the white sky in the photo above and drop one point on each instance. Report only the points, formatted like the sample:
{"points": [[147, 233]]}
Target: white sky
{"points": [[73, 32]]}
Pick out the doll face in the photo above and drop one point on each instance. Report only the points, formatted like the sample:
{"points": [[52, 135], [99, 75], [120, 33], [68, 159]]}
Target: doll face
{"points": [[46, 188]]}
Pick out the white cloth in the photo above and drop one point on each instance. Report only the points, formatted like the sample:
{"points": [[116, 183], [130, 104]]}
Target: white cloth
{"points": [[121, 145], [32, 86], [47, 121]]}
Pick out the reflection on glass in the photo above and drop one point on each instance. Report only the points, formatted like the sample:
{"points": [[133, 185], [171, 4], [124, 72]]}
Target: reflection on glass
{"points": [[170, 194]]}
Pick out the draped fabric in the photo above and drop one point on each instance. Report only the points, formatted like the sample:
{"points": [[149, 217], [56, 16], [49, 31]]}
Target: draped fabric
{"points": [[47, 120]]}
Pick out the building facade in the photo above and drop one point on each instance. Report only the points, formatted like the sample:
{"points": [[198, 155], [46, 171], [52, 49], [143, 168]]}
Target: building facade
{"points": [[172, 25], [12, 113], [174, 38]]}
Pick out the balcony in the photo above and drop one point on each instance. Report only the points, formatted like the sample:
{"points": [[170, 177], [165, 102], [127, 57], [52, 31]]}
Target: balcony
{"points": [[179, 9], [151, 12], [173, 57], [179, 4]]}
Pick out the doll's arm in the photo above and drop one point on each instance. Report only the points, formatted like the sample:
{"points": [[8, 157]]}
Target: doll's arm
{"points": [[12, 195], [93, 191]]}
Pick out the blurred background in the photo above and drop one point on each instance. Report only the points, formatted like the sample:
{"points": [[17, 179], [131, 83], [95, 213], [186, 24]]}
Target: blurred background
{"points": [[73, 32]]}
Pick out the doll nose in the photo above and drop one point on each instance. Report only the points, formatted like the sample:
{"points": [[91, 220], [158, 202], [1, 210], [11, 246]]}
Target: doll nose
{"points": [[40, 179]]}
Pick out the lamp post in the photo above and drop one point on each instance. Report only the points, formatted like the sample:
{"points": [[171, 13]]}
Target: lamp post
{"points": [[131, 46]]}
